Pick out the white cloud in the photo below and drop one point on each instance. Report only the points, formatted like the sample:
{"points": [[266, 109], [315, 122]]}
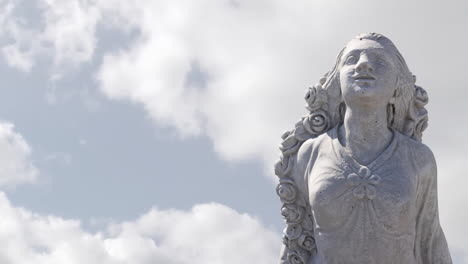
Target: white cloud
{"points": [[252, 55], [17, 59], [18, 37], [70, 28], [64, 32], [207, 234], [16, 166]]}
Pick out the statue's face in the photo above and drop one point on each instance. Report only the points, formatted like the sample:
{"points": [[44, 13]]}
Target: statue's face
{"points": [[368, 73]]}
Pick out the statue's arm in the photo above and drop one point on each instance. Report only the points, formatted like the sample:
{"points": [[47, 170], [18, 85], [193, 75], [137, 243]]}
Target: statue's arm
{"points": [[431, 245]]}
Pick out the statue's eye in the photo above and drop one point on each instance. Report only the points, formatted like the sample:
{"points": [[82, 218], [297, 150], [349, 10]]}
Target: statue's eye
{"points": [[351, 60], [381, 61]]}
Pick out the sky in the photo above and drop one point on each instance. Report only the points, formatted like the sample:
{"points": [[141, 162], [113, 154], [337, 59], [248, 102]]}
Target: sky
{"points": [[147, 133]]}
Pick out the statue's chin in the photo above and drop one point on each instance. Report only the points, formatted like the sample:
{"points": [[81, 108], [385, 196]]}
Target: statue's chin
{"points": [[365, 93]]}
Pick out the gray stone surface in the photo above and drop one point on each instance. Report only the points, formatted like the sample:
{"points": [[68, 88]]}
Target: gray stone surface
{"points": [[356, 183]]}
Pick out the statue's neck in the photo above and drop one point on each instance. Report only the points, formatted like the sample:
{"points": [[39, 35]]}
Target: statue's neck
{"points": [[365, 133]]}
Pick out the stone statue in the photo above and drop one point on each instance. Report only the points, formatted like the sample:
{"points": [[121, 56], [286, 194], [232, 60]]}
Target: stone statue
{"points": [[356, 183]]}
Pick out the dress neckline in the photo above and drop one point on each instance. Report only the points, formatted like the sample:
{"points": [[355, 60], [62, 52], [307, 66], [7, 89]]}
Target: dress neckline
{"points": [[383, 156]]}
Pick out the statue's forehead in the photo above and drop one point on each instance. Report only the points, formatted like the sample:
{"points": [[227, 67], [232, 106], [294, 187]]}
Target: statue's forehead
{"points": [[362, 45]]}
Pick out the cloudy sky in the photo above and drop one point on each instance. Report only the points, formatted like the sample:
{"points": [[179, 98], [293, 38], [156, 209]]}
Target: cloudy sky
{"points": [[146, 133]]}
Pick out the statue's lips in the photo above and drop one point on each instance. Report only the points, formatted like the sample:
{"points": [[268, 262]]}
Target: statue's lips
{"points": [[364, 78]]}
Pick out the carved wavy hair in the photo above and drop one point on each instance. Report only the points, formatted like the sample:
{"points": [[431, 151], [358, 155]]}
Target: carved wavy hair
{"points": [[405, 112]]}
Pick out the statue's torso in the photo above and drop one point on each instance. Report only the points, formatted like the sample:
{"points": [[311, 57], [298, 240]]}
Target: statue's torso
{"points": [[363, 214]]}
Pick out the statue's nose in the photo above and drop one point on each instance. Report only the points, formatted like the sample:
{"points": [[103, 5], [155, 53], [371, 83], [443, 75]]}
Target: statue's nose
{"points": [[364, 64]]}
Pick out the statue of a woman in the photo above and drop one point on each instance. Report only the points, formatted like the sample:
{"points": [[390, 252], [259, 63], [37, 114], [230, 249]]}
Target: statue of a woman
{"points": [[356, 183]]}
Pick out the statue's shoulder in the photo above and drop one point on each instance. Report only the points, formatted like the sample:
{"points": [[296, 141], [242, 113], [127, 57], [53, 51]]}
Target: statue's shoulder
{"points": [[315, 144], [420, 154]]}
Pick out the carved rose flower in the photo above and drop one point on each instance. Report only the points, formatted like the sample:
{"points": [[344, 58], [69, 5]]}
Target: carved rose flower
{"points": [[310, 96], [289, 142], [420, 97], [293, 231], [286, 191], [315, 96], [301, 133], [307, 242], [283, 166], [317, 122], [307, 222], [421, 125], [364, 183], [292, 213], [295, 258]]}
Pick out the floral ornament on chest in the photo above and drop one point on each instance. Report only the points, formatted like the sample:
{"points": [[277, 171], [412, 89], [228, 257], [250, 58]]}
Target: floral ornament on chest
{"points": [[364, 183]]}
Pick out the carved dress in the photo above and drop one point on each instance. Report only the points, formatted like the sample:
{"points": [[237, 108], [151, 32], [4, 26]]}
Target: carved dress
{"points": [[377, 213]]}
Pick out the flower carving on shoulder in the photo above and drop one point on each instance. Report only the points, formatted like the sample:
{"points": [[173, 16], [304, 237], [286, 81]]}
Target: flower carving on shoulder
{"points": [[293, 231], [307, 242], [421, 125], [316, 96], [301, 133], [420, 97], [292, 213], [316, 122], [287, 191], [307, 222], [291, 142], [419, 113], [296, 258], [284, 166]]}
